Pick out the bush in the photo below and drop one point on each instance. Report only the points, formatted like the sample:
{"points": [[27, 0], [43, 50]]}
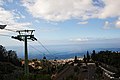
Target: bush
{"points": [[36, 77]]}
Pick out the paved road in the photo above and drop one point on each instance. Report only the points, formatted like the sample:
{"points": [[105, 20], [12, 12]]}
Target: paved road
{"points": [[65, 73], [87, 74], [83, 75]]}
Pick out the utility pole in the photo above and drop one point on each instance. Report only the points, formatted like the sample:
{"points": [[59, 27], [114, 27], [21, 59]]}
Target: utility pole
{"points": [[25, 35]]}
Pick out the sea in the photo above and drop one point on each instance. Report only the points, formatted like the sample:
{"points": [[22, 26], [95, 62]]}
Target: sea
{"points": [[58, 51]]}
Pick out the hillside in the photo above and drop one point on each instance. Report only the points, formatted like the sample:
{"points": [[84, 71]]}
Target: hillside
{"points": [[8, 71]]}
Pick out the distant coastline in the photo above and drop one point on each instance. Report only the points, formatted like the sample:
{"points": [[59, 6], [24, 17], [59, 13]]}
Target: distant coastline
{"points": [[57, 52]]}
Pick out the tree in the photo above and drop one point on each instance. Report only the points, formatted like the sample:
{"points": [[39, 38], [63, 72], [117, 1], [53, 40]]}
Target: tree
{"points": [[84, 59], [75, 60], [88, 57], [3, 53], [12, 54], [12, 57], [107, 57], [93, 55], [44, 58]]}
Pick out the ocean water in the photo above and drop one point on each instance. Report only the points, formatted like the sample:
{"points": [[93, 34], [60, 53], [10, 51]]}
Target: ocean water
{"points": [[55, 51], [58, 51]]}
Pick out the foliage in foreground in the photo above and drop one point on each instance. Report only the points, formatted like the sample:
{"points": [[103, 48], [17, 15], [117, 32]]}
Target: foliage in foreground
{"points": [[36, 77]]}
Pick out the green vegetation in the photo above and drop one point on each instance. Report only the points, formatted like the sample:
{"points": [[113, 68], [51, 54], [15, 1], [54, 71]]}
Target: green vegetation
{"points": [[9, 56], [71, 77], [9, 71], [87, 58], [99, 73], [36, 77], [11, 67], [108, 59]]}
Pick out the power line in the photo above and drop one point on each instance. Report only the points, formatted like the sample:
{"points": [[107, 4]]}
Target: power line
{"points": [[41, 52], [10, 30], [52, 55], [35, 48], [41, 45], [44, 47], [32, 46], [5, 35], [33, 38]]}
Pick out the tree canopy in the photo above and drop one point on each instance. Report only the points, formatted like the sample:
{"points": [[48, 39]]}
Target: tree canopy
{"points": [[9, 56]]}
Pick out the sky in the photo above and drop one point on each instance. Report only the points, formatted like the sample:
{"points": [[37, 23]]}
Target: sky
{"points": [[60, 22]]}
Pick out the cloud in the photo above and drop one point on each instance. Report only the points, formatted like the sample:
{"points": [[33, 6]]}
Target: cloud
{"points": [[107, 25], [10, 1], [93, 40], [117, 24], [61, 10], [1, 2], [79, 39], [111, 9], [17, 14], [10, 19], [119, 18], [85, 22], [113, 24], [49, 29]]}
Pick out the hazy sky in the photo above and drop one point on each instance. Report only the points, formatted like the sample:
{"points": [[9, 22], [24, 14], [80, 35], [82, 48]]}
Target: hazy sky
{"points": [[62, 21]]}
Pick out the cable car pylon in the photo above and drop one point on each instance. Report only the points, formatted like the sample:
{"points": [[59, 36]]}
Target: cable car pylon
{"points": [[25, 35]]}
